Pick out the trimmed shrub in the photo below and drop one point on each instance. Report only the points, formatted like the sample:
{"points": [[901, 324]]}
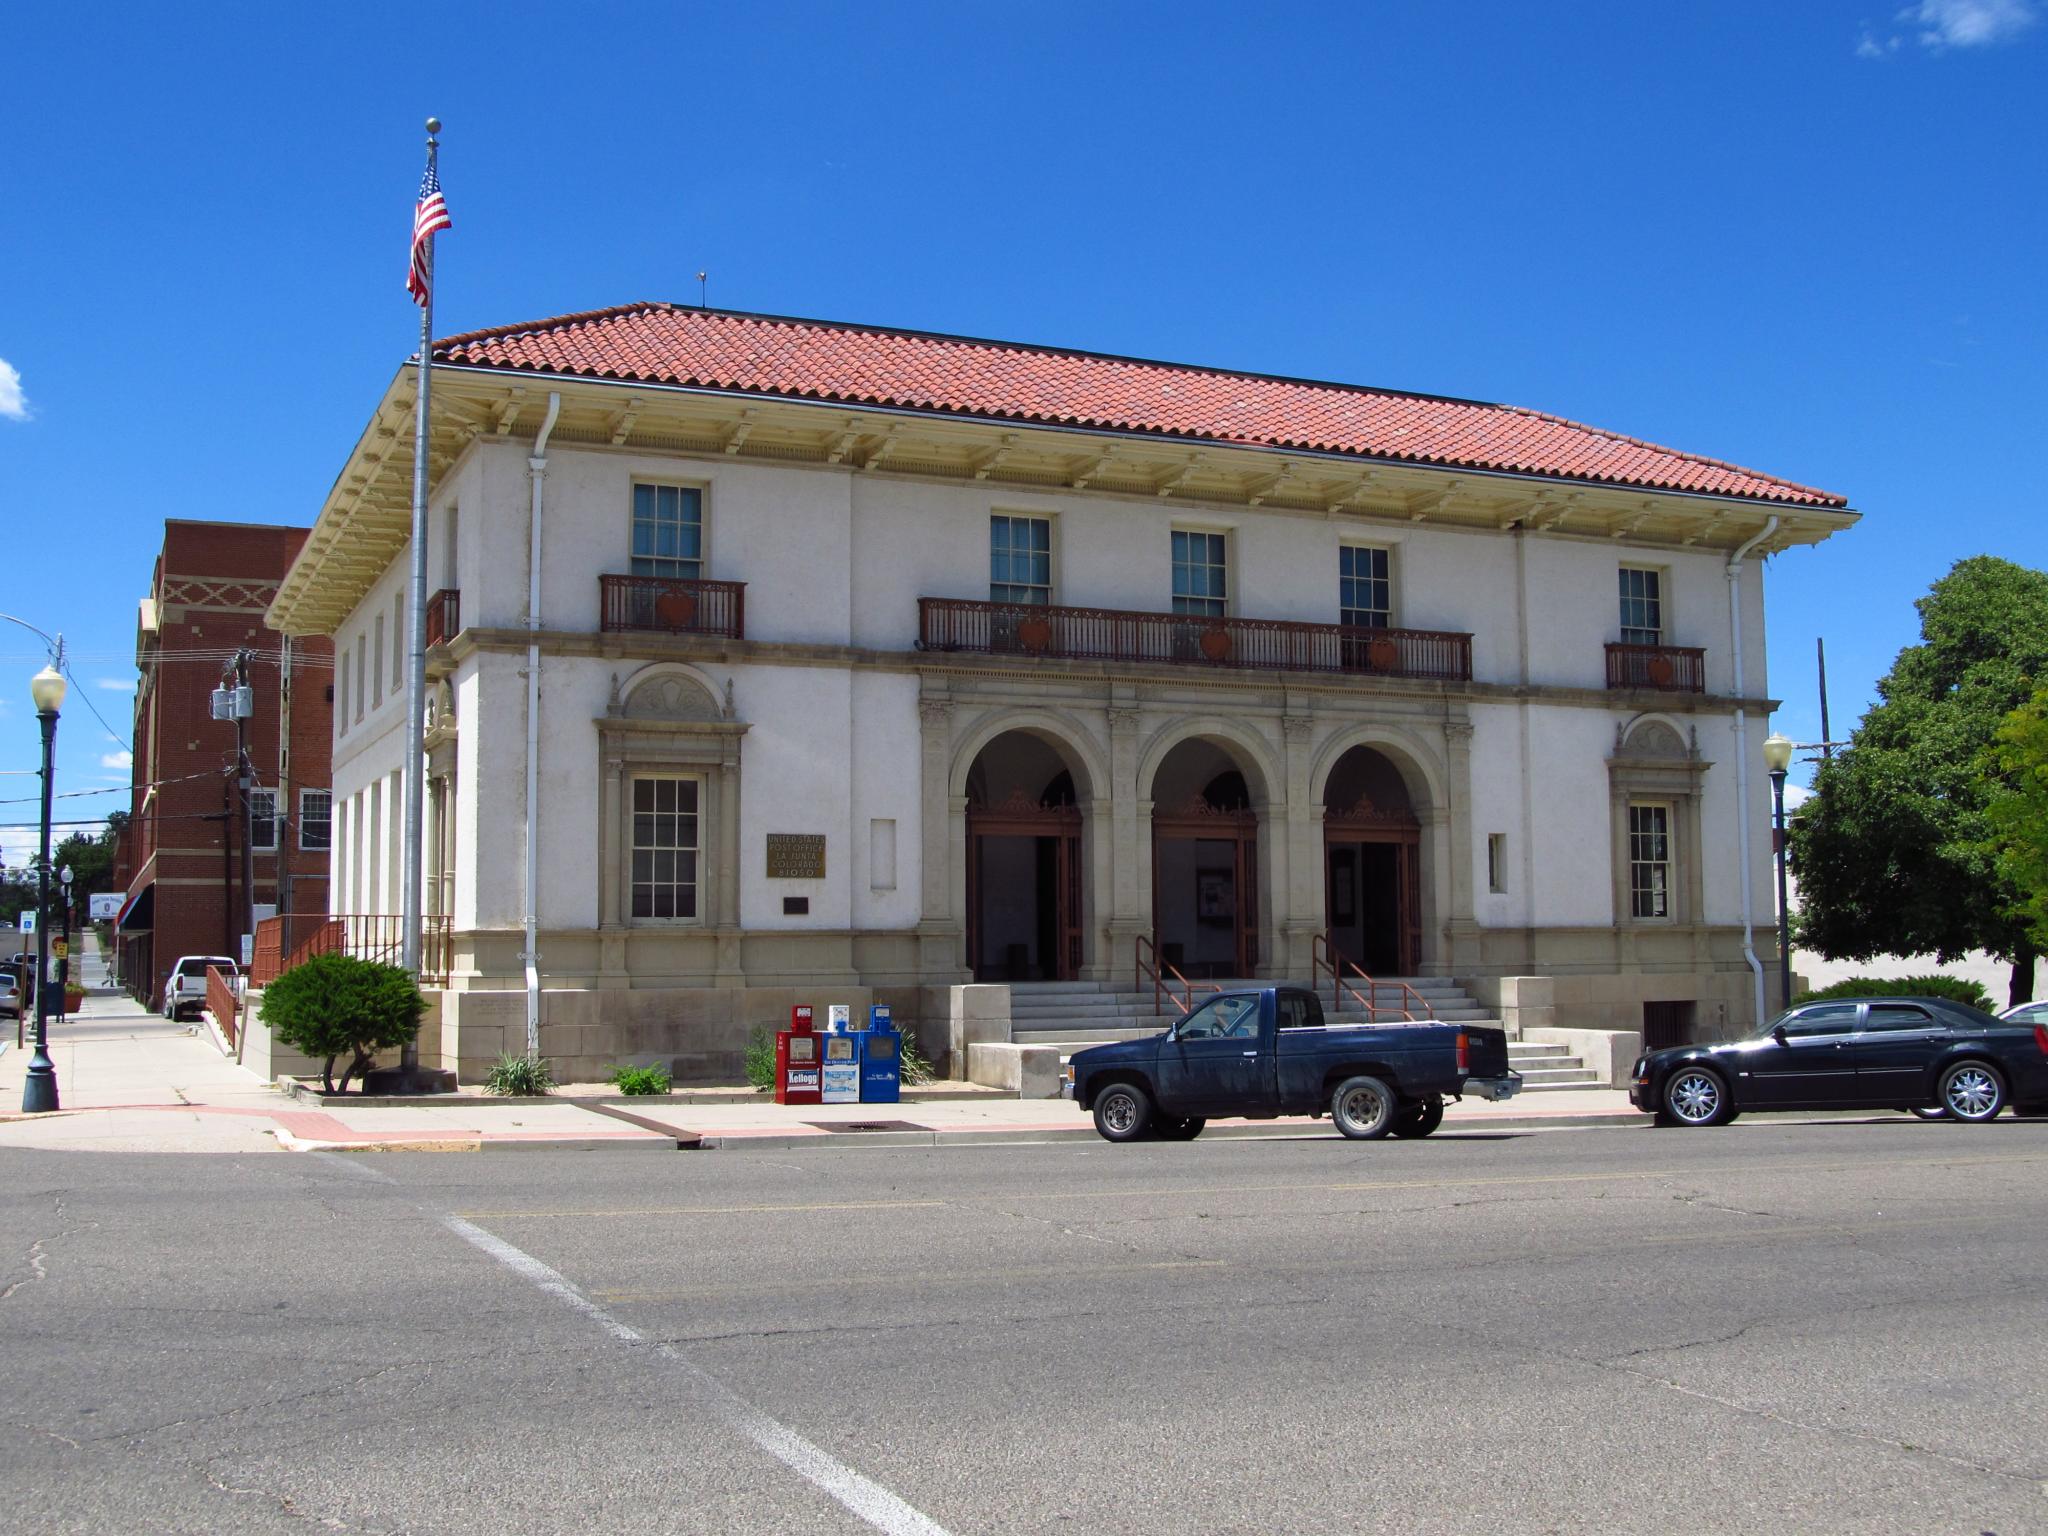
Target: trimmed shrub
{"points": [[336, 1005], [638, 1082], [519, 1077], [1953, 988], [760, 1060]]}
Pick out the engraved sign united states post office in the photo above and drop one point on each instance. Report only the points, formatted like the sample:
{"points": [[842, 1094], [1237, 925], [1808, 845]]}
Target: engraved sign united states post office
{"points": [[796, 855]]}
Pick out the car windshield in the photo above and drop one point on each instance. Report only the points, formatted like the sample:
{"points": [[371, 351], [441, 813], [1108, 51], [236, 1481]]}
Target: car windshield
{"points": [[198, 966]]}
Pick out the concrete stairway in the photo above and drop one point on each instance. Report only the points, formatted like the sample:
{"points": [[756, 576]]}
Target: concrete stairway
{"points": [[1071, 1014], [1549, 1066]]}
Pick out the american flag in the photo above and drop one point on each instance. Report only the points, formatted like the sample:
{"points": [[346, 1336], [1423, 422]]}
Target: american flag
{"points": [[429, 216]]}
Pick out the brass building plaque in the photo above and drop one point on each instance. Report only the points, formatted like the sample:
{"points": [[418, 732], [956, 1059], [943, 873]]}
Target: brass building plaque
{"points": [[796, 856]]}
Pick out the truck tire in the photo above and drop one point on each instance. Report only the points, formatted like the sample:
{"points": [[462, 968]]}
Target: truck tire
{"points": [[1363, 1108], [1418, 1117], [1178, 1130], [1123, 1112]]}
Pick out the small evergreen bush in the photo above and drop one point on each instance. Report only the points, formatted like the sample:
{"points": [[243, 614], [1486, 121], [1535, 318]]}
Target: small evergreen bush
{"points": [[636, 1082], [760, 1059], [1953, 988], [336, 1005], [519, 1077]]}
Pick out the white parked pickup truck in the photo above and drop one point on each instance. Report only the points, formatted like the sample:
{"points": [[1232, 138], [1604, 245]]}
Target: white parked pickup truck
{"points": [[185, 989]]}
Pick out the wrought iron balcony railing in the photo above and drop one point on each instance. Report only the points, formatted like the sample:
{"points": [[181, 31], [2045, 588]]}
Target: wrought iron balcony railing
{"points": [[1666, 668], [672, 606]]}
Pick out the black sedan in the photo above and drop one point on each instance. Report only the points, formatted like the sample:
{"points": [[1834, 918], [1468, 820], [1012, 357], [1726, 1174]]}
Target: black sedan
{"points": [[1919, 1053]]}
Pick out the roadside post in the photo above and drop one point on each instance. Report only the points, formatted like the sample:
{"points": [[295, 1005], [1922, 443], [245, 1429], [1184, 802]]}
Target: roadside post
{"points": [[841, 1059], [796, 1059], [881, 1058]]}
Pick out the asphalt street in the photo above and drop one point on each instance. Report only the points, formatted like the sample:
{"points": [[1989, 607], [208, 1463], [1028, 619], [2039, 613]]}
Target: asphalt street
{"points": [[1829, 1326]]}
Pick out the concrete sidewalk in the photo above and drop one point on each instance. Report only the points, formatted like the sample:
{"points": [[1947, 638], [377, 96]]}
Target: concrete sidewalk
{"points": [[130, 1080]]}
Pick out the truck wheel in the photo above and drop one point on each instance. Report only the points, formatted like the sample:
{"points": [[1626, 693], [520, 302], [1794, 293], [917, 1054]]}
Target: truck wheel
{"points": [[1420, 1117], [1123, 1112], [1179, 1130], [1363, 1108]]}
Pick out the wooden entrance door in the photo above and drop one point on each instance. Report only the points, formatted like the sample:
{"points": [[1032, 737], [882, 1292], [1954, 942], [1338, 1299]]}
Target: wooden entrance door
{"points": [[1056, 829], [1353, 832], [1199, 821]]}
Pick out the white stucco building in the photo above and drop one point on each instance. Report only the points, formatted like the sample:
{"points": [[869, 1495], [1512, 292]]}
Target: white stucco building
{"points": [[870, 663]]}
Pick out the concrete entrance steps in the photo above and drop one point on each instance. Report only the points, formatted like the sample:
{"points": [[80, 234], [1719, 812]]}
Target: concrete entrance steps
{"points": [[1550, 1067]]}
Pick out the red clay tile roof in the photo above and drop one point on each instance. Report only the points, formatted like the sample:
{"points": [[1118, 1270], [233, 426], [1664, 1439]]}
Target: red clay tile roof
{"points": [[912, 370]]}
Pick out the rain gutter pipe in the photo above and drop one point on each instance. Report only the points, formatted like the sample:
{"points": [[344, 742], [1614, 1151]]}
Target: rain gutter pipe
{"points": [[1756, 966], [537, 469]]}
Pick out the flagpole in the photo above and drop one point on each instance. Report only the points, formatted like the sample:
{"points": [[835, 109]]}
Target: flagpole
{"points": [[416, 644]]}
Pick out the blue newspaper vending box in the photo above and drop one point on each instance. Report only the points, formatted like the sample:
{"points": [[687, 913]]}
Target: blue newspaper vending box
{"points": [[881, 1058]]}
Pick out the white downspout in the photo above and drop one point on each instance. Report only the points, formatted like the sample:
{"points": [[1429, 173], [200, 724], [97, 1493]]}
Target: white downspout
{"points": [[537, 469], [1756, 966]]}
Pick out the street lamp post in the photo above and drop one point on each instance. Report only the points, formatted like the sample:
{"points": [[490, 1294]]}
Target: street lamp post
{"points": [[39, 1089], [1778, 758]]}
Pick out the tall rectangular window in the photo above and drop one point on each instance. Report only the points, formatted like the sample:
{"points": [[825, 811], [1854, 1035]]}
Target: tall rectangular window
{"points": [[1200, 582], [668, 531], [263, 819], [1497, 862], [1019, 559], [316, 819], [1365, 593], [377, 666], [341, 695], [1642, 607], [1649, 860], [362, 666], [401, 643], [665, 847]]}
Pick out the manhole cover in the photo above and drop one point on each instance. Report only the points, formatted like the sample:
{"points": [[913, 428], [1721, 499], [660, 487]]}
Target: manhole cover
{"points": [[863, 1125]]}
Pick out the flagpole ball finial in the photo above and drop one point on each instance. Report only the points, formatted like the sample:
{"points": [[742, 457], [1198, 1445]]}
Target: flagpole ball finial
{"points": [[433, 125]]}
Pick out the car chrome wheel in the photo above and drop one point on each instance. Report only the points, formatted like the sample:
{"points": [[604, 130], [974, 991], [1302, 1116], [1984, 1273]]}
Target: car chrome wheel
{"points": [[1695, 1097], [1972, 1091], [1120, 1113]]}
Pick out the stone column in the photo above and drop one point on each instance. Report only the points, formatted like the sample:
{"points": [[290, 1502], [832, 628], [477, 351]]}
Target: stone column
{"points": [[939, 927], [612, 962], [1461, 926], [1130, 847], [1298, 916]]}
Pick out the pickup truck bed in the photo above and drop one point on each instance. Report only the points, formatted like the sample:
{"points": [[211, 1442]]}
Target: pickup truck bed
{"points": [[1262, 1053]]}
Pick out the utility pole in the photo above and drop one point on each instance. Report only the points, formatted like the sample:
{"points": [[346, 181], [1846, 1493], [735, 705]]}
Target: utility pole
{"points": [[237, 703]]}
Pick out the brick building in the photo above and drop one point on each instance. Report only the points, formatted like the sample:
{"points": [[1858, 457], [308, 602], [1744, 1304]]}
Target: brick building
{"points": [[179, 863]]}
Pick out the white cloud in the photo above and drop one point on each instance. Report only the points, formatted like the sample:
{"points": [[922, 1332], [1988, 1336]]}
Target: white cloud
{"points": [[1940, 25], [117, 760], [1796, 795], [13, 403], [115, 684]]}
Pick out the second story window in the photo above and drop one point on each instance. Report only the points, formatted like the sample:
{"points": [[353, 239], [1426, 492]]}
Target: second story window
{"points": [[341, 695], [316, 818], [263, 819], [1199, 573], [1365, 594], [1642, 606], [1019, 559], [668, 532]]}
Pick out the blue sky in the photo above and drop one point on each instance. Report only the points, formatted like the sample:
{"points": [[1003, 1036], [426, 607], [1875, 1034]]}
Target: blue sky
{"points": [[1804, 237]]}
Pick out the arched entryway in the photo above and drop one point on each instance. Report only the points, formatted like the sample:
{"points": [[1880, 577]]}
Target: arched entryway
{"points": [[1025, 878], [1205, 862], [1372, 855]]}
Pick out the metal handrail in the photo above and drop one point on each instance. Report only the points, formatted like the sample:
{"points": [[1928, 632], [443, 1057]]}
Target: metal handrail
{"points": [[1161, 991], [1324, 956]]}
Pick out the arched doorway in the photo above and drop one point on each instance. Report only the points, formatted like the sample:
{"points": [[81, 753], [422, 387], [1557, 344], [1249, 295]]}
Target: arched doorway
{"points": [[1372, 855], [1205, 863], [1024, 872]]}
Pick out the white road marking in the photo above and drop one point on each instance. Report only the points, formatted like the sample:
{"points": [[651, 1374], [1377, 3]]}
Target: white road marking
{"points": [[860, 1495]]}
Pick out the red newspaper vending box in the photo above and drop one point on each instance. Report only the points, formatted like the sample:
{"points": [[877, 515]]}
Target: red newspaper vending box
{"points": [[797, 1078]]}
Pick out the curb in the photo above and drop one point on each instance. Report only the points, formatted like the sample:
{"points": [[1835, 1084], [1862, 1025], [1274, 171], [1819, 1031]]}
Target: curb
{"points": [[667, 1142], [1295, 1130]]}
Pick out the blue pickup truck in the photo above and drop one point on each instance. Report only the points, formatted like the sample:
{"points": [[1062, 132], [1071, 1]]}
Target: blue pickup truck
{"points": [[1267, 1052]]}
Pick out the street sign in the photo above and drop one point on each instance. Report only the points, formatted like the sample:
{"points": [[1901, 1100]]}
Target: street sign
{"points": [[28, 921], [104, 906], [248, 949], [61, 948]]}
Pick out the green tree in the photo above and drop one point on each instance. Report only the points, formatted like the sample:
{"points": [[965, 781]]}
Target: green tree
{"points": [[2019, 813], [1896, 852], [333, 1005]]}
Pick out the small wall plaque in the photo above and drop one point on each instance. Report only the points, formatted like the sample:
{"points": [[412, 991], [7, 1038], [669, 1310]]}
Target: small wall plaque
{"points": [[796, 856]]}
